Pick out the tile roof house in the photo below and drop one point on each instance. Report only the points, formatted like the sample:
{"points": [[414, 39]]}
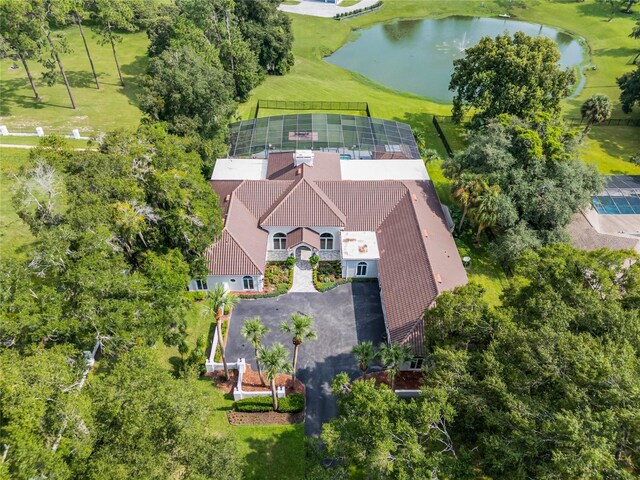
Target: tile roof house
{"points": [[393, 229]]}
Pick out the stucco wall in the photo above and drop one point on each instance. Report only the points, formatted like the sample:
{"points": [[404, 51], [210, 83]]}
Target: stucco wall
{"points": [[332, 230], [349, 268], [230, 282]]}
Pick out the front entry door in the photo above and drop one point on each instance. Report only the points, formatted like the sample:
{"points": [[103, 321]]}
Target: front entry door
{"points": [[303, 253]]}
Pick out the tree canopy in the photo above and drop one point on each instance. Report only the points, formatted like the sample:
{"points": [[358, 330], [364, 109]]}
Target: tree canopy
{"points": [[517, 75], [540, 178], [545, 385], [629, 84], [115, 259]]}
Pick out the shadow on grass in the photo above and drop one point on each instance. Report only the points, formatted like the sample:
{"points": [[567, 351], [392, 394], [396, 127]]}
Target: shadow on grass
{"points": [[133, 74], [10, 98], [279, 455], [81, 79]]}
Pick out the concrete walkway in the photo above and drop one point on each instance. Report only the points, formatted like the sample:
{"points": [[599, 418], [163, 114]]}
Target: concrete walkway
{"points": [[302, 277], [318, 8]]}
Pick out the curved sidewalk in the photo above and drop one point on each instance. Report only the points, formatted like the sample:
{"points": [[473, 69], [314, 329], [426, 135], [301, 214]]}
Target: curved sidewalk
{"points": [[317, 8]]}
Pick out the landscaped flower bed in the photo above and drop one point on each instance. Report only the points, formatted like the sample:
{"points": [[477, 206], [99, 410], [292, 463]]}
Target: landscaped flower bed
{"points": [[278, 277], [327, 275]]}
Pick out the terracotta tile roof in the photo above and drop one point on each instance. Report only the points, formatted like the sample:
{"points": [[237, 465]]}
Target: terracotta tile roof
{"points": [[326, 166], [365, 203], [303, 235], [280, 166], [227, 257], [303, 204], [404, 272], [224, 189], [259, 195], [418, 256], [244, 227]]}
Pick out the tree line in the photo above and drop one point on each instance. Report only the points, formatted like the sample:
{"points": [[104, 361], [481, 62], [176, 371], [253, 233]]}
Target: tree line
{"points": [[119, 232], [544, 385], [520, 179]]}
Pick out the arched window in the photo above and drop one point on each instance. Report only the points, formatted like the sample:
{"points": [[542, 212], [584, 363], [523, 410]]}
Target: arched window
{"points": [[326, 241], [279, 241], [361, 271], [247, 283]]}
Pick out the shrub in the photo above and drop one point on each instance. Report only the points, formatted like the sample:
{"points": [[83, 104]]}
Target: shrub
{"points": [[314, 260], [635, 158], [292, 403], [198, 295], [291, 261], [254, 405]]}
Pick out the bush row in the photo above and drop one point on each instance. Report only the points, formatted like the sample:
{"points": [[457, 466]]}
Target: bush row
{"points": [[292, 403], [358, 11]]}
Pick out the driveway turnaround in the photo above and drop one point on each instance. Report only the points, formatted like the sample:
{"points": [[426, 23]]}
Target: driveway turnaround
{"points": [[318, 8], [343, 317]]}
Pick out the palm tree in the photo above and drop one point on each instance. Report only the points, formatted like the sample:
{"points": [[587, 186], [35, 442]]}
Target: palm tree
{"points": [[393, 356], [364, 355], [254, 331], [486, 210], [220, 300], [596, 109], [301, 327], [464, 190], [274, 360]]}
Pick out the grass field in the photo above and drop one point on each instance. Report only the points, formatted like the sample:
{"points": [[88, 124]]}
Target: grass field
{"points": [[15, 236], [269, 451], [98, 110]]}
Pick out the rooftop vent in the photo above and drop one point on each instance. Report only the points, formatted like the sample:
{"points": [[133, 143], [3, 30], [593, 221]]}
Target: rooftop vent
{"points": [[363, 249], [303, 156]]}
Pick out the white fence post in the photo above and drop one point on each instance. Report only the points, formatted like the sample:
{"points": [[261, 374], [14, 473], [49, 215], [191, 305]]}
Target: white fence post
{"points": [[3, 130], [40, 131]]}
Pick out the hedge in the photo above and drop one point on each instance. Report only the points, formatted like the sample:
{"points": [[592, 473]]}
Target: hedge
{"points": [[254, 404], [358, 11], [292, 403]]}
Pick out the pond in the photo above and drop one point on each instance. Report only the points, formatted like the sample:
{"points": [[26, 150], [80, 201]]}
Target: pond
{"points": [[417, 56]]}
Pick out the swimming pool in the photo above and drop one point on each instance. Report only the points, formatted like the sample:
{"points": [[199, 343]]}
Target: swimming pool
{"points": [[345, 156]]}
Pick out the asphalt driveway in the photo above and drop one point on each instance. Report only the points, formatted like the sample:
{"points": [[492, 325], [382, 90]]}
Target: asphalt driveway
{"points": [[343, 317]]}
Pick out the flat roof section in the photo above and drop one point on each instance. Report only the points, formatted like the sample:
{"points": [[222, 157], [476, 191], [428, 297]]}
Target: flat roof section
{"points": [[359, 246], [383, 170], [240, 169]]}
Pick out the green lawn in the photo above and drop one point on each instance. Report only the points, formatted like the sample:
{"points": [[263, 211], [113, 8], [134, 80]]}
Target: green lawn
{"points": [[15, 236], [348, 3], [34, 141], [269, 451], [610, 148], [98, 110]]}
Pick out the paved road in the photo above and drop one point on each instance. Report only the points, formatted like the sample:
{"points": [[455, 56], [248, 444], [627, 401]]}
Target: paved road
{"points": [[343, 316], [318, 8]]}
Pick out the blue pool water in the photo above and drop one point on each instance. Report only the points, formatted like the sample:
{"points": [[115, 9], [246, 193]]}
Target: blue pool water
{"points": [[345, 156]]}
